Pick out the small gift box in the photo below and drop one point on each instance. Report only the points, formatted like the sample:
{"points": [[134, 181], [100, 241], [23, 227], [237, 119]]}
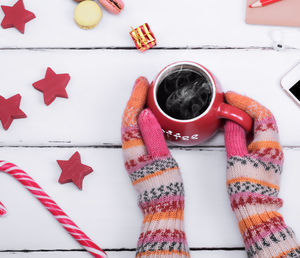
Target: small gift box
{"points": [[143, 37]]}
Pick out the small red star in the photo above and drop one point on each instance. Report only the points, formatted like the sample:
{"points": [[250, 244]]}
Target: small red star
{"points": [[53, 85], [9, 110], [16, 16], [73, 170]]}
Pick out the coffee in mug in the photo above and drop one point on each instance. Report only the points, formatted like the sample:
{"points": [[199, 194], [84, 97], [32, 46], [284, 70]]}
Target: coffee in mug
{"points": [[188, 102], [184, 94]]}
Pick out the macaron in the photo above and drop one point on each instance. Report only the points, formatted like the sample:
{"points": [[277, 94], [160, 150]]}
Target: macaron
{"points": [[113, 6], [87, 14]]}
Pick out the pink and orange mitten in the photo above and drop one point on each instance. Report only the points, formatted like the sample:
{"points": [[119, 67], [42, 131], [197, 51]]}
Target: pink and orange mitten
{"points": [[253, 177], [156, 178]]}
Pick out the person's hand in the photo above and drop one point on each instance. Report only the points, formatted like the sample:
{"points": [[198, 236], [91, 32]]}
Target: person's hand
{"points": [[253, 177], [156, 178]]}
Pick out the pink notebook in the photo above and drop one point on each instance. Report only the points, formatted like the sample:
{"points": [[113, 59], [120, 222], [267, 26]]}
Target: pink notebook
{"points": [[282, 13]]}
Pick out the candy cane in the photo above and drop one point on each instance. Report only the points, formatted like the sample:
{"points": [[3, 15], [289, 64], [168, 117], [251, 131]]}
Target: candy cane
{"points": [[3, 209], [51, 206]]}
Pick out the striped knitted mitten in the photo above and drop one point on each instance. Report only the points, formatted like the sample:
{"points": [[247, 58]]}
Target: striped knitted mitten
{"points": [[253, 177], [156, 178]]}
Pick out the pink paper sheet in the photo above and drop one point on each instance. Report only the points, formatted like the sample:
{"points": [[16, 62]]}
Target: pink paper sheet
{"points": [[282, 13]]}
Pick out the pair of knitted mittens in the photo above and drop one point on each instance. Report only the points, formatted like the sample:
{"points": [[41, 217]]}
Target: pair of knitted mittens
{"points": [[253, 176]]}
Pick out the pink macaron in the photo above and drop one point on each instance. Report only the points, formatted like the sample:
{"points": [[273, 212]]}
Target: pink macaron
{"points": [[113, 6]]}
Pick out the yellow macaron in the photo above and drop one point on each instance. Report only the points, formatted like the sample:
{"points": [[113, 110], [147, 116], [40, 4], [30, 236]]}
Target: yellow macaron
{"points": [[87, 14]]}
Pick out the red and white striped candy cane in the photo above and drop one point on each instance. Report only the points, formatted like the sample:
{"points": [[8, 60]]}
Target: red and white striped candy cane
{"points": [[3, 209], [51, 206]]}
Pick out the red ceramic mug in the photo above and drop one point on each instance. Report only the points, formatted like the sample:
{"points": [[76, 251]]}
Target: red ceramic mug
{"points": [[198, 129]]}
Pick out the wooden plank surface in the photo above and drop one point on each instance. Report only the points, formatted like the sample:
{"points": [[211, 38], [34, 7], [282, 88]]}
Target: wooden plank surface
{"points": [[106, 208], [175, 23], [101, 81], [103, 64], [124, 254]]}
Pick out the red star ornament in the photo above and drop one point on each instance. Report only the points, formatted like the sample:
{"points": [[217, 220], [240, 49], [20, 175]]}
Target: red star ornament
{"points": [[73, 170], [9, 110], [53, 85], [16, 16]]}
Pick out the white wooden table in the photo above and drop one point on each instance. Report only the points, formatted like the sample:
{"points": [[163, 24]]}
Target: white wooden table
{"points": [[103, 65]]}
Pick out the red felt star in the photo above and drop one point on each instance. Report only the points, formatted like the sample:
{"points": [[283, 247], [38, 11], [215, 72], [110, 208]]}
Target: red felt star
{"points": [[16, 16], [9, 110], [73, 170], [53, 85]]}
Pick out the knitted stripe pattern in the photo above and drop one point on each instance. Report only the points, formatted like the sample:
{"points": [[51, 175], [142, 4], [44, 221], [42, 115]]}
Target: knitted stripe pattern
{"points": [[156, 178], [253, 177]]}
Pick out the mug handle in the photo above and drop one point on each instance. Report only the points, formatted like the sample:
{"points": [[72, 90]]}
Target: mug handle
{"points": [[235, 114]]}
